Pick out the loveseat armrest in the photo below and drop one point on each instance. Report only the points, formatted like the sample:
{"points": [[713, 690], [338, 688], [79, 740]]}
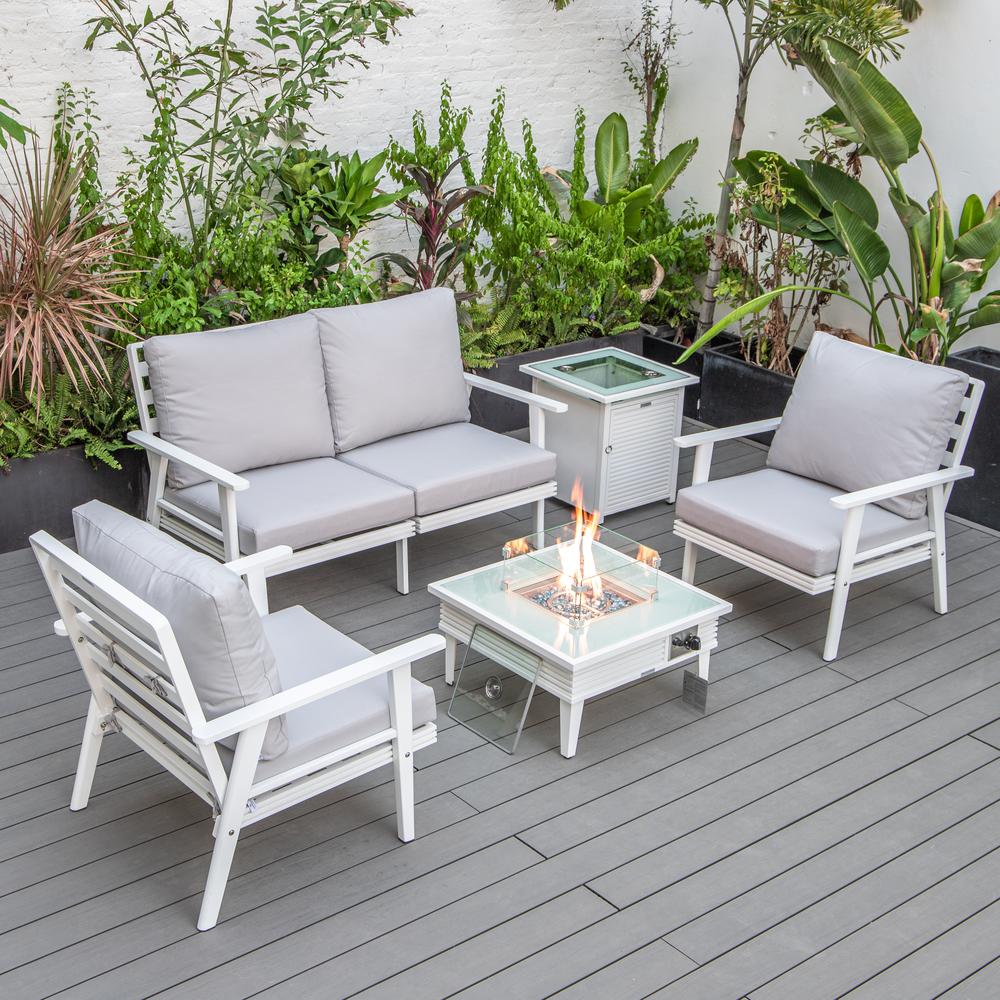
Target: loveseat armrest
{"points": [[520, 395], [901, 487], [261, 712], [172, 453], [704, 443], [538, 405]]}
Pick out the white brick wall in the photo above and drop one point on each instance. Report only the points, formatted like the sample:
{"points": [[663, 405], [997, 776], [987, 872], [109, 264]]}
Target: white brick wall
{"points": [[548, 62]]}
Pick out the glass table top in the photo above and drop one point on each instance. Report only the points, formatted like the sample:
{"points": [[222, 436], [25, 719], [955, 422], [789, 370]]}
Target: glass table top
{"points": [[607, 371], [500, 595]]}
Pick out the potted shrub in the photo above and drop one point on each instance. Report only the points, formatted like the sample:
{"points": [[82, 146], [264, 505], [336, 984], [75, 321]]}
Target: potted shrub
{"points": [[978, 499], [64, 391], [934, 297]]}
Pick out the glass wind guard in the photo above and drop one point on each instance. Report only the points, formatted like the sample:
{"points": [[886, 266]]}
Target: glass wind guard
{"points": [[491, 698], [609, 371]]}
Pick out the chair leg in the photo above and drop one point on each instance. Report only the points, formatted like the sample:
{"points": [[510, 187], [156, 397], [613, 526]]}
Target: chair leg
{"points": [[939, 552], [402, 566], [838, 607], [842, 581], [229, 823], [401, 716], [690, 562], [539, 516], [90, 750]]}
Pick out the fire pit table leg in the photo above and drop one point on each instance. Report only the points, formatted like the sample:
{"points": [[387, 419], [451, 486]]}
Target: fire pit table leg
{"points": [[707, 637], [570, 714], [450, 649]]}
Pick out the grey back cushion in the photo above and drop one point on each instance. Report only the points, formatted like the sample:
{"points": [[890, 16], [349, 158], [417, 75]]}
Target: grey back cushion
{"points": [[393, 367], [244, 398], [216, 626], [859, 417]]}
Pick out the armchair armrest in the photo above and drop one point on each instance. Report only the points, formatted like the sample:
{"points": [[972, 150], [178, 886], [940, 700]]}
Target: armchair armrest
{"points": [[859, 498], [254, 569], [151, 443], [727, 433], [520, 395], [704, 443], [320, 687]]}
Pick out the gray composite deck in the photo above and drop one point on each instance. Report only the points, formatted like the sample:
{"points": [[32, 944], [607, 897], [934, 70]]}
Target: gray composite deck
{"points": [[824, 830]]}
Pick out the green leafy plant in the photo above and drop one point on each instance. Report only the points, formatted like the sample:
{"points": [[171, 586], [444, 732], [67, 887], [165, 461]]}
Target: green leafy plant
{"points": [[97, 416], [756, 27], [325, 194], [436, 209], [10, 127], [217, 103], [930, 297], [769, 250], [569, 271]]}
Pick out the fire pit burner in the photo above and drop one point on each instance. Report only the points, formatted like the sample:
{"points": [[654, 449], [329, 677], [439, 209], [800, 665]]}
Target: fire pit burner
{"points": [[580, 572], [556, 599]]}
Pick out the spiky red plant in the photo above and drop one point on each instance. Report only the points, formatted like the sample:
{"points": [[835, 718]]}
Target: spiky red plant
{"points": [[57, 277]]}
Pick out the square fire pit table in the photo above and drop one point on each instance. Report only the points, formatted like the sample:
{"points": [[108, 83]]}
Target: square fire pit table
{"points": [[616, 437], [576, 611]]}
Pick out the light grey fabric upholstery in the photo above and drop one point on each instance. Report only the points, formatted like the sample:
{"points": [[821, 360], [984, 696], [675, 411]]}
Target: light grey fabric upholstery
{"points": [[218, 630], [303, 503], [859, 418], [393, 367], [455, 464], [306, 648], [243, 398], [786, 518]]}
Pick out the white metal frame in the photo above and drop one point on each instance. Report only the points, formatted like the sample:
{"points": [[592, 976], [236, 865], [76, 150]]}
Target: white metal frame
{"points": [[852, 565], [577, 679], [140, 687], [224, 543]]}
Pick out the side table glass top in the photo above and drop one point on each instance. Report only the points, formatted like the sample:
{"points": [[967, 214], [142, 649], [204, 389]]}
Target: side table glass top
{"points": [[607, 371]]}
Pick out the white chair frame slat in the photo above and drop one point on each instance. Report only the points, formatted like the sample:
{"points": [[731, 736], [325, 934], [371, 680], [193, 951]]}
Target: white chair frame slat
{"points": [[853, 564], [141, 688], [224, 543]]}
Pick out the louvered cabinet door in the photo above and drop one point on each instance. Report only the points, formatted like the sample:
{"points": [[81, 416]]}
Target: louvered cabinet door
{"points": [[640, 456]]}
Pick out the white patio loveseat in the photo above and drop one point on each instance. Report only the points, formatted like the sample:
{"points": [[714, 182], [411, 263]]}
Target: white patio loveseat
{"points": [[328, 432], [253, 712], [857, 481]]}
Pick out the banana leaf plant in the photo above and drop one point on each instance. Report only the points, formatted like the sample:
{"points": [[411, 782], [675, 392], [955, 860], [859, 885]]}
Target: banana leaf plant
{"points": [[928, 298], [443, 235], [330, 194], [617, 184]]}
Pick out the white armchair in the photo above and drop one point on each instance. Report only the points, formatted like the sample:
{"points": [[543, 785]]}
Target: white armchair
{"points": [[857, 479], [253, 712]]}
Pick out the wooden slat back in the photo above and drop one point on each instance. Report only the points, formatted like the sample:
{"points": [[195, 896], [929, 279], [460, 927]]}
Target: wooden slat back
{"points": [[134, 667], [140, 387]]}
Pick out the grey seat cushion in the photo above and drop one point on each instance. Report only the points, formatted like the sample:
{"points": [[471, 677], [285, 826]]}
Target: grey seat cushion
{"points": [[243, 398], [456, 464], [786, 518], [393, 367], [306, 648], [303, 503], [859, 418], [218, 630]]}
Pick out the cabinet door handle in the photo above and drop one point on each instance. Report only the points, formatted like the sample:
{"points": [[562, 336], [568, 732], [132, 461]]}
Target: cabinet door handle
{"points": [[607, 451]]}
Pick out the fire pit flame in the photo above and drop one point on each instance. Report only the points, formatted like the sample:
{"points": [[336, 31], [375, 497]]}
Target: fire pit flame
{"points": [[579, 570], [571, 586]]}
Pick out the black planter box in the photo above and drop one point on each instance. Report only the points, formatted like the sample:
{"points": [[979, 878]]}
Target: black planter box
{"points": [[733, 391], [503, 415], [978, 499], [40, 493]]}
